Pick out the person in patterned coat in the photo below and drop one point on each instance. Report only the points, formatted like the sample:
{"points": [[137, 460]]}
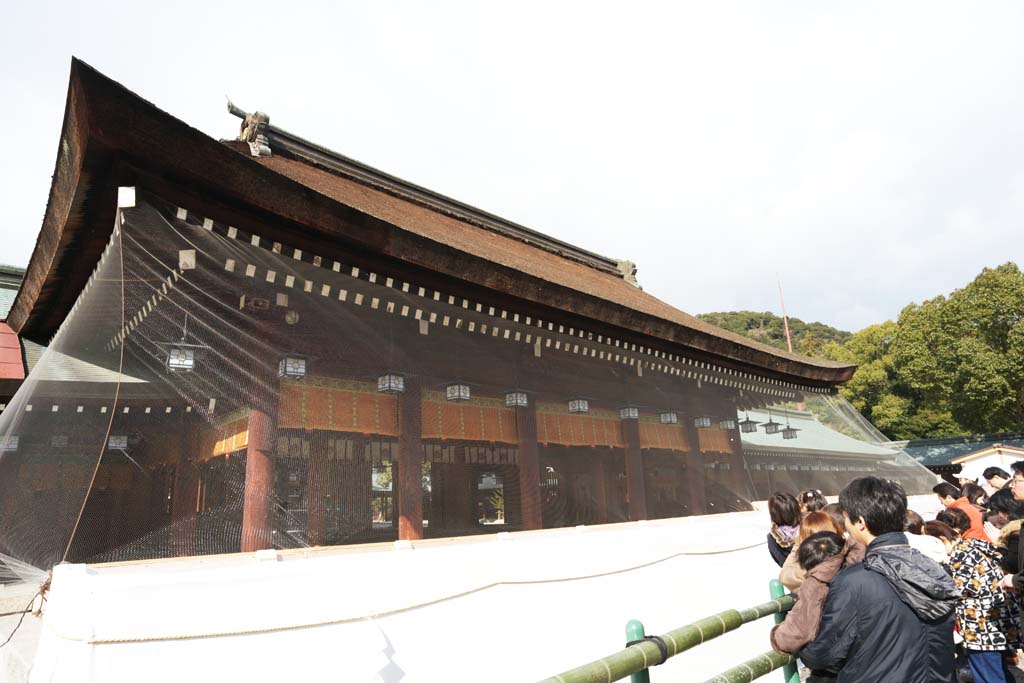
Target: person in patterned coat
{"points": [[987, 616]]}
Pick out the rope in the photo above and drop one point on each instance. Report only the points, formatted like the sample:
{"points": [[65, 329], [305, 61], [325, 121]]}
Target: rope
{"points": [[399, 610]]}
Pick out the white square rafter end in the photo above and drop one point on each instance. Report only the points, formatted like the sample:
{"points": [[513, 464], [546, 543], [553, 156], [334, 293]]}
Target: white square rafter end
{"points": [[125, 197]]}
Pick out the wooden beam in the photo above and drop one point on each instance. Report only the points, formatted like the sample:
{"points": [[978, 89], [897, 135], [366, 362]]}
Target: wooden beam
{"points": [[259, 482], [635, 494], [529, 467], [409, 482]]}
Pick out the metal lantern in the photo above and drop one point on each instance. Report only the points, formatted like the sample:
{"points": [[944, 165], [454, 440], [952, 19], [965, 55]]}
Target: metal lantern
{"points": [[629, 413], [457, 392], [579, 405], [771, 426], [9, 444], [747, 425], [702, 422], [516, 399], [118, 442], [789, 432], [391, 383], [668, 418], [727, 423], [181, 359], [292, 367]]}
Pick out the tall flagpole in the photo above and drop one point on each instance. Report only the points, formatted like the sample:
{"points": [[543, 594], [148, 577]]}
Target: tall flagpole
{"points": [[785, 318]]}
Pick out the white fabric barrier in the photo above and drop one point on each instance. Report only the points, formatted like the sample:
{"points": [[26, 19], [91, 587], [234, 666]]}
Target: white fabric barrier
{"points": [[512, 607]]}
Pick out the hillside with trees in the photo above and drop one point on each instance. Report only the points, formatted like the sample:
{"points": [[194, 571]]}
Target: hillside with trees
{"points": [[808, 338], [948, 366]]}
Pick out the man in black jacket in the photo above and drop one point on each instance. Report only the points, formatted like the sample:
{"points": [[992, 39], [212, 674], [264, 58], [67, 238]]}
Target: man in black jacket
{"points": [[889, 618]]}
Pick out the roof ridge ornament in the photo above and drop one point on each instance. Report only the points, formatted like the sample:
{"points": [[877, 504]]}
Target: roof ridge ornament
{"points": [[628, 270], [252, 130]]}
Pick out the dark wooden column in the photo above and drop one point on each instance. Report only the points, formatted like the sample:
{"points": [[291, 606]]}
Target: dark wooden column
{"points": [[635, 494], [694, 468], [185, 497], [599, 486], [259, 482], [410, 461], [317, 474], [529, 467]]}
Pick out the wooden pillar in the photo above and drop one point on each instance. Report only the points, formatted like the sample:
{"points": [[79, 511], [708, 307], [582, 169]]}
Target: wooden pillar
{"points": [[635, 494], [185, 495], [317, 475], [529, 467], [409, 487], [694, 469], [740, 479], [599, 486], [259, 482]]}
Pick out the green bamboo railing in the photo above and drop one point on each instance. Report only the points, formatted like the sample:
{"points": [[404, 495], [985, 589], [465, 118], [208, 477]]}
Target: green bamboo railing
{"points": [[756, 667], [637, 658]]}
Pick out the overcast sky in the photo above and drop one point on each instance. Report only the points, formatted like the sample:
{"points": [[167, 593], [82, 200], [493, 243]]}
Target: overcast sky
{"points": [[871, 154]]}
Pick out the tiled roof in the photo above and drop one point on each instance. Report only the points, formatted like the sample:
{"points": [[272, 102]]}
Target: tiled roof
{"points": [[6, 300], [936, 452], [813, 436], [11, 366], [501, 249]]}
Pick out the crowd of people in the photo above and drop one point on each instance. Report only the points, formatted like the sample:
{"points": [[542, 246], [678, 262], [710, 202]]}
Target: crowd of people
{"points": [[884, 595]]}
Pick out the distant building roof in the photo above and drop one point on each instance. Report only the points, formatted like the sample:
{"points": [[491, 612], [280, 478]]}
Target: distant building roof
{"points": [[938, 452], [813, 436], [10, 281]]}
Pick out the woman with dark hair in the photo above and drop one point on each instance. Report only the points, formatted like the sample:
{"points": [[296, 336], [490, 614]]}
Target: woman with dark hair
{"points": [[784, 511], [811, 500], [975, 495], [986, 614], [792, 575], [929, 546], [944, 533], [835, 511], [1003, 522]]}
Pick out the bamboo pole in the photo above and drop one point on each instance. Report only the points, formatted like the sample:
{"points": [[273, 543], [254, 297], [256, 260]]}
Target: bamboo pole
{"points": [[754, 668], [638, 657]]}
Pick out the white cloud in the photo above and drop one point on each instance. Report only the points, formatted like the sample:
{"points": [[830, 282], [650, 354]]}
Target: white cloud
{"points": [[867, 153]]}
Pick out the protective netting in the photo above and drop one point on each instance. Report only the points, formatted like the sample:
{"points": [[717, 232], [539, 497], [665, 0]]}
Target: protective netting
{"points": [[213, 391]]}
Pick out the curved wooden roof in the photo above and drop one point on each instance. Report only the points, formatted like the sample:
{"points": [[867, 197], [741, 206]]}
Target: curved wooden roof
{"points": [[112, 137]]}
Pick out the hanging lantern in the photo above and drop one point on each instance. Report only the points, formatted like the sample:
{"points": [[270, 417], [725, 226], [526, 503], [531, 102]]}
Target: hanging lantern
{"points": [[747, 425], [629, 413], [668, 417], [118, 442], [181, 359], [292, 367], [457, 392], [391, 383], [702, 422], [9, 444], [727, 424], [789, 432], [771, 426], [516, 399], [579, 405]]}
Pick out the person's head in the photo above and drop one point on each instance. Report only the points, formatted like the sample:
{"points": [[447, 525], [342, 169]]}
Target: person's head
{"points": [[943, 532], [913, 523], [784, 509], [956, 519], [873, 507], [817, 548], [1003, 508], [996, 477], [947, 493], [835, 511], [1016, 482], [814, 522], [974, 494], [811, 500]]}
